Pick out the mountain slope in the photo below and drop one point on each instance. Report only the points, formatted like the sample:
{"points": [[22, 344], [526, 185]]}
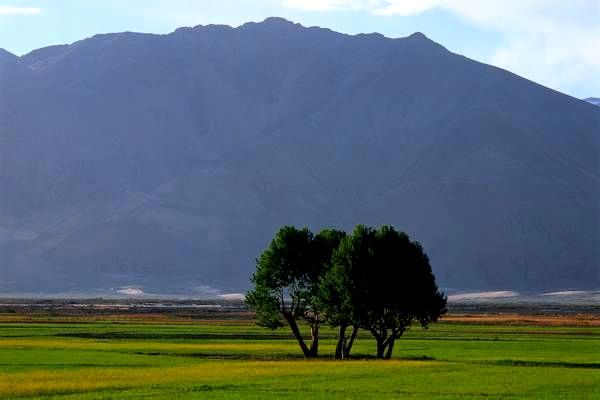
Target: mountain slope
{"points": [[593, 100], [168, 161]]}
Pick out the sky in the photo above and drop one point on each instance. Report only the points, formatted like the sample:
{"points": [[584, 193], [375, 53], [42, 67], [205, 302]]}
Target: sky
{"points": [[553, 42]]}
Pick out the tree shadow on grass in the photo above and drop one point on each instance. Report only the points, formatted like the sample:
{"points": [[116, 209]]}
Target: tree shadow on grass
{"points": [[216, 356], [273, 357]]}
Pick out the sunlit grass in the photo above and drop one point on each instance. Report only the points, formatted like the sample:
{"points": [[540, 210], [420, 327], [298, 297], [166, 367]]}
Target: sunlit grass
{"points": [[44, 381], [314, 379], [106, 360]]}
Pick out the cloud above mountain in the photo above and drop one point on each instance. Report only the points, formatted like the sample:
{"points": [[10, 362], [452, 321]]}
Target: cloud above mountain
{"points": [[9, 10]]}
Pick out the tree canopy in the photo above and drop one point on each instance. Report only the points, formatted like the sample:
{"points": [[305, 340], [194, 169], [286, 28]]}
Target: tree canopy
{"points": [[374, 279], [284, 281]]}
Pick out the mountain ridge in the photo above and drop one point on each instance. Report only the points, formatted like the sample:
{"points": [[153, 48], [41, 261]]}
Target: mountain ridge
{"points": [[593, 100]]}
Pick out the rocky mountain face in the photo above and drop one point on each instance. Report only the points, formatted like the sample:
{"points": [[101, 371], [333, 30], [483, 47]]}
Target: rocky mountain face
{"points": [[168, 161]]}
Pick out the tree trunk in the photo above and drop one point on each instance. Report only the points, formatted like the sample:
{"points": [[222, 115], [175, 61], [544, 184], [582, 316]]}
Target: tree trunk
{"points": [[390, 348], [351, 341], [314, 346], [294, 327], [380, 348], [340, 349]]}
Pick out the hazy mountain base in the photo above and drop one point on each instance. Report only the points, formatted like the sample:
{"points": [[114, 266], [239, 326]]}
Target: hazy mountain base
{"points": [[518, 310], [167, 162]]}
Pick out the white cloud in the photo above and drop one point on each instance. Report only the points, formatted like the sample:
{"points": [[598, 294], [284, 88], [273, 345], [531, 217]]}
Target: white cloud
{"points": [[404, 8], [6, 10], [330, 5], [483, 295], [131, 291], [233, 296], [554, 42]]}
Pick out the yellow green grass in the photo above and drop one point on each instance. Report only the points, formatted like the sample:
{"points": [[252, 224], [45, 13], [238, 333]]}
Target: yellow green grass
{"points": [[233, 360]]}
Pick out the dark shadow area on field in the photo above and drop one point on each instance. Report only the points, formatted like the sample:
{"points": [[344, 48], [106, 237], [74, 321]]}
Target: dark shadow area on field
{"points": [[234, 336], [583, 332], [556, 364], [246, 336], [417, 358], [208, 388], [271, 357], [191, 336], [357, 357], [468, 339], [216, 356]]}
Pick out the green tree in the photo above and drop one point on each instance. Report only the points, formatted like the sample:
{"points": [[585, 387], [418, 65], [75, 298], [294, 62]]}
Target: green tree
{"points": [[285, 281], [402, 290], [323, 247], [342, 291], [381, 282]]}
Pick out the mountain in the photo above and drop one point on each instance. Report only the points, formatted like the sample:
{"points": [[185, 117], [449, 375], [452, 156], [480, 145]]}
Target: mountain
{"points": [[593, 100], [166, 162]]}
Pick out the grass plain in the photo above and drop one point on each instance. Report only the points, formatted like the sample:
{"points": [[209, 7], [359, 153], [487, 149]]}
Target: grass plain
{"points": [[159, 357]]}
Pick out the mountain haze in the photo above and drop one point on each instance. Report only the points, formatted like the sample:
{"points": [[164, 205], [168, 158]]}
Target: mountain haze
{"points": [[168, 161]]}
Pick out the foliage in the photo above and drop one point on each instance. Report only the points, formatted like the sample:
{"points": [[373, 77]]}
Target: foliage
{"points": [[401, 289], [378, 280], [342, 291], [285, 281], [382, 282]]}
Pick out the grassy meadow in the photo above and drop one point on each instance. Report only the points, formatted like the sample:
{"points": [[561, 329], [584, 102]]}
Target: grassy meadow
{"points": [[157, 357]]}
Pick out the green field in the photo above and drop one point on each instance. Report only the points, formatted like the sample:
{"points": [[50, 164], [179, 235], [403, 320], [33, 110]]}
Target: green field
{"points": [[236, 360]]}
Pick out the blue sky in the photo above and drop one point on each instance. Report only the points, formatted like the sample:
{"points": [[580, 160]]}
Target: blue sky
{"points": [[553, 42]]}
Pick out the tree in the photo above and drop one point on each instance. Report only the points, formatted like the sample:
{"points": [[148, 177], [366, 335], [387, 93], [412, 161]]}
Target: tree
{"points": [[342, 291], [403, 290], [383, 283], [285, 281], [323, 247]]}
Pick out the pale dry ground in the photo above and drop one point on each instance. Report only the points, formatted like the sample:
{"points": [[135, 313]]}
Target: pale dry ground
{"points": [[522, 319], [241, 318]]}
